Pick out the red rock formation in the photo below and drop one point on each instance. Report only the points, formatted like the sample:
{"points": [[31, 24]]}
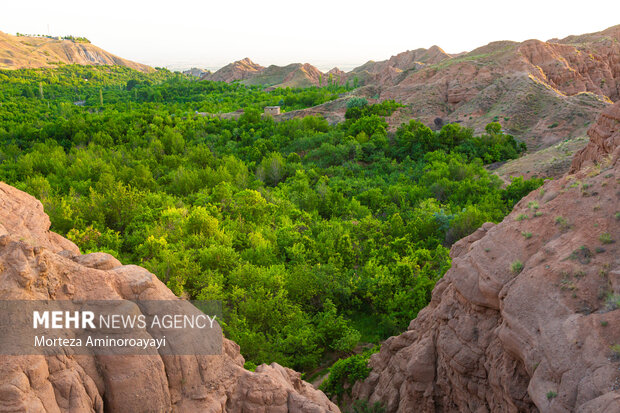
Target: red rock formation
{"points": [[604, 142], [38, 264], [521, 323]]}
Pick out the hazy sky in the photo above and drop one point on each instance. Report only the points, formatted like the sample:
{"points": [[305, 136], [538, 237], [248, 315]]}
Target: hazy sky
{"points": [[345, 33]]}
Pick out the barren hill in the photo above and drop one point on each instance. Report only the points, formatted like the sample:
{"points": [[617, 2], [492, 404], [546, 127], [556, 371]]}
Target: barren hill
{"points": [[526, 320], [32, 52]]}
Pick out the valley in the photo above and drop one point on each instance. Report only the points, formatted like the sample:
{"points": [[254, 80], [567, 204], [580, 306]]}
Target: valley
{"points": [[430, 233]]}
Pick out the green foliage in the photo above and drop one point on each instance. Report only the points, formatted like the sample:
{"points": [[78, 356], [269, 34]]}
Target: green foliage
{"points": [[605, 238], [519, 188], [358, 108], [356, 102], [314, 236], [415, 139], [516, 267], [345, 373]]}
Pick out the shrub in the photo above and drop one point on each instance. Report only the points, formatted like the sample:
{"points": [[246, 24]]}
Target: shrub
{"points": [[605, 238], [527, 235], [356, 102], [345, 372], [516, 267], [562, 223], [551, 395], [582, 254]]}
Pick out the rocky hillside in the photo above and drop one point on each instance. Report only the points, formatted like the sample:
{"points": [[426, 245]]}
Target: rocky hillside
{"points": [[541, 92], [527, 319], [396, 68], [32, 52], [38, 264]]}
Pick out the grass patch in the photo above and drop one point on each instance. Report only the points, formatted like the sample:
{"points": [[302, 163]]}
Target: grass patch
{"points": [[605, 238], [516, 267], [562, 223]]}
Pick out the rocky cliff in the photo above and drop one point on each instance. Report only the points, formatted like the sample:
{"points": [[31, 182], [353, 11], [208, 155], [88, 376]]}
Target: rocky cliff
{"points": [[32, 52], [38, 264], [528, 317]]}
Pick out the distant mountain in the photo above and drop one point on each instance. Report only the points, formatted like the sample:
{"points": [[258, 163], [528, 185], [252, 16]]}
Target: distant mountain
{"points": [[18, 52], [239, 70], [294, 75], [196, 72]]}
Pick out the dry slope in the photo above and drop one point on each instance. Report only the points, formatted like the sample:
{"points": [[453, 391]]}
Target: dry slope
{"points": [[32, 52], [38, 264], [527, 317]]}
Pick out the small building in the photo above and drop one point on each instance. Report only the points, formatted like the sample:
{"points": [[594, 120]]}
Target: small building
{"points": [[272, 110]]}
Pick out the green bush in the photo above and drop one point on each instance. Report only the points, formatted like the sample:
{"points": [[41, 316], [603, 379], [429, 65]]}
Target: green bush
{"points": [[345, 373], [516, 267]]}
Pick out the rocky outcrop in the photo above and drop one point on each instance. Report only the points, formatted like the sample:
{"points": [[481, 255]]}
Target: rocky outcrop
{"points": [[38, 264], [32, 52], [395, 69], [604, 141], [527, 317]]}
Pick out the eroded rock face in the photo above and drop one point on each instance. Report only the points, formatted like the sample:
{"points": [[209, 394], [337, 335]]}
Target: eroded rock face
{"points": [[604, 142], [38, 264], [525, 319]]}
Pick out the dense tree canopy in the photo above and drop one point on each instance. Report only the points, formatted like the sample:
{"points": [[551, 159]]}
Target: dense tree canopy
{"points": [[316, 237]]}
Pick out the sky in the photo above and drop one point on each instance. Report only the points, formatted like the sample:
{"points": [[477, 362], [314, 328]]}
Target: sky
{"points": [[210, 34]]}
